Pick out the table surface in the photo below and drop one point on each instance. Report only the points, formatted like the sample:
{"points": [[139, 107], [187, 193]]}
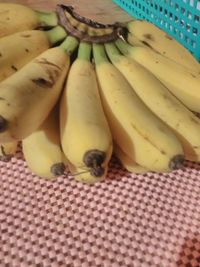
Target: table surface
{"points": [[101, 10], [129, 220]]}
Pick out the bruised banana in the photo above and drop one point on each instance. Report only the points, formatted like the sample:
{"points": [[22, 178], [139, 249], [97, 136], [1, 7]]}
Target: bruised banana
{"points": [[42, 149], [128, 163], [153, 37], [85, 136], [135, 129], [27, 96], [8, 150], [161, 102], [183, 83], [17, 49], [84, 26], [16, 18], [85, 29]]}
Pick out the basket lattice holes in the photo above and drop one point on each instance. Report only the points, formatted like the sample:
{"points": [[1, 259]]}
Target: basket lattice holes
{"points": [[178, 18]]}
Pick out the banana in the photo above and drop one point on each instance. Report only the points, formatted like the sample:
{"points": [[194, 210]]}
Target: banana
{"points": [[42, 148], [164, 104], [154, 38], [17, 49], [183, 83], [135, 129], [27, 96], [128, 163], [8, 150], [15, 18], [84, 26], [85, 135]]}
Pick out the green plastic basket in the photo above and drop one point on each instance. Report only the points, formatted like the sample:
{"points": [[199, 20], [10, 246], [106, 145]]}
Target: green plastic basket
{"points": [[178, 18]]}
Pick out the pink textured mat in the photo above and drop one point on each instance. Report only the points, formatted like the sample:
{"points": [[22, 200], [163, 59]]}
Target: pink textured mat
{"points": [[150, 220]]}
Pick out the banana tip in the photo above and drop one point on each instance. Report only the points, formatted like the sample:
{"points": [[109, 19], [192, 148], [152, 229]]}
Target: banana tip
{"points": [[58, 169], [176, 162]]}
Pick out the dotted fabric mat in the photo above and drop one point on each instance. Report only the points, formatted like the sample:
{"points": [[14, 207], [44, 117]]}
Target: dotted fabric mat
{"points": [[150, 220]]}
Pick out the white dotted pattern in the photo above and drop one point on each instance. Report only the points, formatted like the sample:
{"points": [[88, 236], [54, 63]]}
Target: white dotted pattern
{"points": [[128, 220]]}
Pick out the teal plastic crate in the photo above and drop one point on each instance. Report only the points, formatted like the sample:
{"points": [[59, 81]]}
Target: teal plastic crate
{"points": [[178, 18]]}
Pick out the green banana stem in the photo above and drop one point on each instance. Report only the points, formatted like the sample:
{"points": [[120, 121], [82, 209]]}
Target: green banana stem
{"points": [[99, 54], [69, 44], [46, 19], [124, 47], [84, 51], [112, 52], [56, 35]]}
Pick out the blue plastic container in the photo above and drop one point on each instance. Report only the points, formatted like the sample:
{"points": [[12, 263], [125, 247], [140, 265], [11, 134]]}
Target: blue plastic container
{"points": [[178, 18]]}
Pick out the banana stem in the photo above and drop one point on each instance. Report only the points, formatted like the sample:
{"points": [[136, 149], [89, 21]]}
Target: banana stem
{"points": [[84, 51], [69, 44], [123, 46], [56, 35], [112, 51], [99, 54], [46, 19]]}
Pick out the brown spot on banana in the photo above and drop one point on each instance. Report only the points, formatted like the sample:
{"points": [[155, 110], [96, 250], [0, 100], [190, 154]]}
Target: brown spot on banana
{"points": [[3, 124], [25, 35], [44, 61], [27, 50], [194, 76], [147, 44], [168, 37], [146, 138], [14, 68], [43, 82], [148, 36]]}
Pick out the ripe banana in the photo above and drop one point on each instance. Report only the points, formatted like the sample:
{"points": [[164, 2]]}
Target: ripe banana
{"points": [[27, 96], [128, 163], [183, 83], [8, 150], [135, 129], [42, 149], [154, 38], [15, 18], [85, 135], [17, 49], [164, 104]]}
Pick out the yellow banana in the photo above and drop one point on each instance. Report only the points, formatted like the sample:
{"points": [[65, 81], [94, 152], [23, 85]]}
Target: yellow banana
{"points": [[8, 150], [18, 49], [15, 18], [85, 135], [155, 38], [27, 96], [128, 163], [135, 129], [183, 83], [164, 104], [42, 149]]}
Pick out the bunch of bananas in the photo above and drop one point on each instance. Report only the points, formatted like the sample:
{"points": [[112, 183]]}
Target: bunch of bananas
{"points": [[74, 92]]}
